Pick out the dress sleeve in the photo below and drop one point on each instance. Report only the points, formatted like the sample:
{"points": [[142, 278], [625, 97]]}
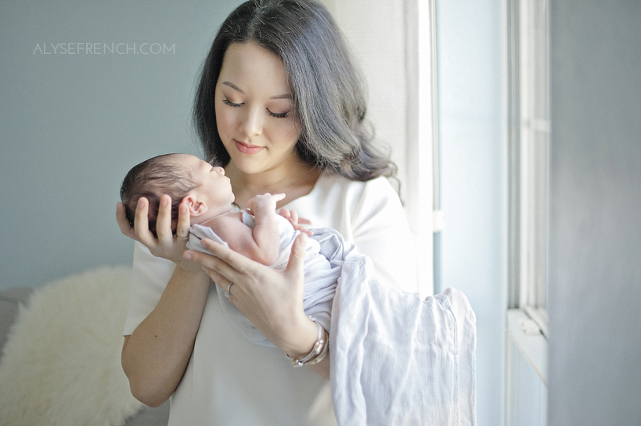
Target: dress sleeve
{"points": [[149, 278], [381, 231]]}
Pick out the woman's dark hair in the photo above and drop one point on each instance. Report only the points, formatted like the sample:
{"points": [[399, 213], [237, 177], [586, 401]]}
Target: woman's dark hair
{"points": [[328, 94], [151, 179]]}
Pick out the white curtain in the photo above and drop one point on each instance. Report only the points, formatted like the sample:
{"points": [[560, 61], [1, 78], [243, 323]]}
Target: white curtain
{"points": [[391, 41]]}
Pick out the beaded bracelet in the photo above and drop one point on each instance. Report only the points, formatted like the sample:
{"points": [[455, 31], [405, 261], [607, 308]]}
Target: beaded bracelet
{"points": [[318, 352], [322, 353]]}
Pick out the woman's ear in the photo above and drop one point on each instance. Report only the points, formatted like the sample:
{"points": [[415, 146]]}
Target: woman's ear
{"points": [[197, 206]]}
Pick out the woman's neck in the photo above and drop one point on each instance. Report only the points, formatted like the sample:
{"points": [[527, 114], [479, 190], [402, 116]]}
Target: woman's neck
{"points": [[295, 181]]}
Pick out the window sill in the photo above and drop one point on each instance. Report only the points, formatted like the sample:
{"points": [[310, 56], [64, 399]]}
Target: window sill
{"points": [[533, 346]]}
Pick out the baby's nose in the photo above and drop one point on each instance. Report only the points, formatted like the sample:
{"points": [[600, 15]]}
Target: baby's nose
{"points": [[220, 170]]}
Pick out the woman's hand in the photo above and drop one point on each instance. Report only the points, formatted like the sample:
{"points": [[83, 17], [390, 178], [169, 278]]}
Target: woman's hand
{"points": [[271, 299], [166, 245]]}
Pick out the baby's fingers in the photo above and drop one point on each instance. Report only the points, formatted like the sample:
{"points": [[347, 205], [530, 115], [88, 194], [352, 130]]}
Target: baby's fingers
{"points": [[296, 222], [303, 221], [278, 197], [305, 231], [284, 213]]}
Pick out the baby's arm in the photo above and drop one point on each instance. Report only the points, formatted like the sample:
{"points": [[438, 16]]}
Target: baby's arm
{"points": [[266, 233], [261, 244]]}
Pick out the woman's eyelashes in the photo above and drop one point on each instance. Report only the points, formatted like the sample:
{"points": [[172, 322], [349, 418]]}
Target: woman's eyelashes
{"points": [[230, 103], [277, 115], [273, 114]]}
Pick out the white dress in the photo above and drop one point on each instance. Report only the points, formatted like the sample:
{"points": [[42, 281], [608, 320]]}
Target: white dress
{"points": [[231, 381]]}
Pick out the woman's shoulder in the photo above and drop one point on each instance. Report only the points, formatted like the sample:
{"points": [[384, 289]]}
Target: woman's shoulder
{"points": [[379, 187], [339, 202], [360, 201]]}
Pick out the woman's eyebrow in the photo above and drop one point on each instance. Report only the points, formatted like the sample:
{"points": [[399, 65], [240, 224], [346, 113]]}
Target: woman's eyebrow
{"points": [[233, 86], [285, 96]]}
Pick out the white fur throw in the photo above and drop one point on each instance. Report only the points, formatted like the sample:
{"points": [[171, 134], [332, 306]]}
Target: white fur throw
{"points": [[61, 363]]}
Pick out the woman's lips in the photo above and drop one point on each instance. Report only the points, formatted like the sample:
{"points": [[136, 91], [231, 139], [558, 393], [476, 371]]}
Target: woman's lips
{"points": [[247, 149]]}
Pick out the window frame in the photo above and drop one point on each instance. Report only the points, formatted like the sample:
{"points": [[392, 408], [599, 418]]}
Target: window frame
{"points": [[528, 168], [528, 138]]}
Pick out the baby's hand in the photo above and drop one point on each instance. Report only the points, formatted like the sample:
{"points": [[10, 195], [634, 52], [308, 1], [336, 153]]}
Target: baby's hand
{"points": [[264, 203], [296, 222]]}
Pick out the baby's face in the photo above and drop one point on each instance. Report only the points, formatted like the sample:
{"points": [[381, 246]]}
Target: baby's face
{"points": [[215, 187]]}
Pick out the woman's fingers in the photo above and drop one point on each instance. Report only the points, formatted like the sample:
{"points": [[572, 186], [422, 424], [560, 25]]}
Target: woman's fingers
{"points": [[218, 279], [123, 222], [163, 222], [272, 300], [141, 224], [295, 267], [222, 264], [182, 228], [234, 260]]}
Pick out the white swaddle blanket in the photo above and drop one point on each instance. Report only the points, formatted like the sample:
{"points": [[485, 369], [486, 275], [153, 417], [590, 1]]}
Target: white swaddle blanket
{"points": [[396, 359]]}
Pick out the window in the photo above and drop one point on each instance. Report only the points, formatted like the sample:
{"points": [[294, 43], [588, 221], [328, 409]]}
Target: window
{"points": [[393, 44], [528, 147], [531, 164]]}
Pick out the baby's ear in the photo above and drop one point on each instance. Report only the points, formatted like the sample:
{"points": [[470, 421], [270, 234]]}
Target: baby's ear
{"points": [[196, 206]]}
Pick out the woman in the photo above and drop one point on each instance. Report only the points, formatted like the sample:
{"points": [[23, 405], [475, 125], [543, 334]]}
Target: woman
{"points": [[281, 108]]}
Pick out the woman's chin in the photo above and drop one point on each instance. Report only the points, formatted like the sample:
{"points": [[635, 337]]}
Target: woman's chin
{"points": [[250, 166]]}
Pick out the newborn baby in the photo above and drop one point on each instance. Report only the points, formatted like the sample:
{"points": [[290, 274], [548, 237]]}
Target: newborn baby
{"points": [[258, 232]]}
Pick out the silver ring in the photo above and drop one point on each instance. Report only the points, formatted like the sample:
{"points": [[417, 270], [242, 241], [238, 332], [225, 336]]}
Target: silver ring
{"points": [[227, 293]]}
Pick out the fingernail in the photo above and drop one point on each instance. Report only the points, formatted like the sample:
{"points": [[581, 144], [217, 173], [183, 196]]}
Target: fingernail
{"points": [[164, 201], [140, 202], [187, 256]]}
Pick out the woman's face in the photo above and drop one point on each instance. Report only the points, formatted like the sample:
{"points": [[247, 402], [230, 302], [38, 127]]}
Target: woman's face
{"points": [[254, 110]]}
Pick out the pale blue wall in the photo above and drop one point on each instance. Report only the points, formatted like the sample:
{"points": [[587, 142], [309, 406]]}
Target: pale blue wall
{"points": [[472, 254], [595, 218], [72, 125]]}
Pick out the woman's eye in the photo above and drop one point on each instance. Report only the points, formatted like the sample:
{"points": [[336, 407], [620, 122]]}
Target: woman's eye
{"points": [[228, 102], [278, 115]]}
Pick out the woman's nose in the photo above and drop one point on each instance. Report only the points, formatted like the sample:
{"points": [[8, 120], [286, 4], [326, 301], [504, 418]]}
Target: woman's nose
{"points": [[252, 122]]}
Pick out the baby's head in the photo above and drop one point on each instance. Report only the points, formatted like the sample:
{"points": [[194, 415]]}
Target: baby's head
{"points": [[180, 176]]}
